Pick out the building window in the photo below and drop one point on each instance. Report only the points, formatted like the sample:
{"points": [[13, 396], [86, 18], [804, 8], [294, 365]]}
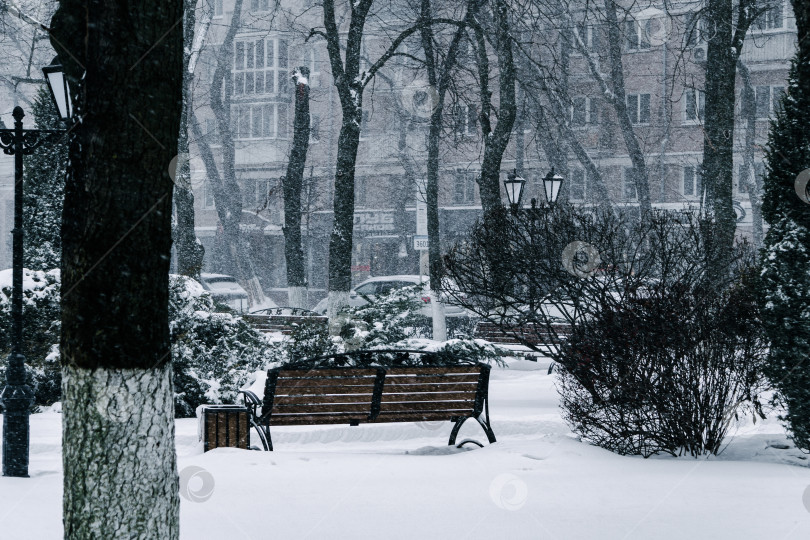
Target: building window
{"points": [[629, 185], [638, 108], [208, 198], [636, 35], [259, 5], [773, 18], [314, 128], [466, 119], [768, 99], [744, 181], [259, 121], [217, 5], [260, 66], [584, 110], [311, 61], [695, 105], [695, 30], [589, 35], [692, 181], [577, 186], [360, 191], [464, 187]]}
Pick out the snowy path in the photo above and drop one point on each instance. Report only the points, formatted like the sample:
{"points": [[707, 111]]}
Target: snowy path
{"points": [[395, 481]]}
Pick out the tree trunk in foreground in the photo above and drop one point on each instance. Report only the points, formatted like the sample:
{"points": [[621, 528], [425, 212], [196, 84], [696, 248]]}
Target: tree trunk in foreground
{"points": [[292, 183], [125, 69]]}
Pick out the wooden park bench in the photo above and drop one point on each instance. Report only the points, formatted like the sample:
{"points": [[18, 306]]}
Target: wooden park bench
{"points": [[372, 395]]}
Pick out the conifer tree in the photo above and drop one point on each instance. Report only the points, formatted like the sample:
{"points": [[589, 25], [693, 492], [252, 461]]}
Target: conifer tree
{"points": [[785, 276], [44, 191]]}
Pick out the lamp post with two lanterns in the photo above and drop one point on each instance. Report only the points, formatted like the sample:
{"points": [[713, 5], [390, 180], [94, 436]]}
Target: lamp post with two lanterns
{"points": [[514, 185], [17, 397]]}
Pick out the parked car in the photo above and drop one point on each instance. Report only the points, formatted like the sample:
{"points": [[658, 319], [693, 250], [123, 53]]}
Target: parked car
{"points": [[225, 290], [372, 287]]}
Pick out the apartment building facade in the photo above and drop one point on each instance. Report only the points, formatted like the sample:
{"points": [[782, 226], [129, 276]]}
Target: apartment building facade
{"points": [[662, 54]]}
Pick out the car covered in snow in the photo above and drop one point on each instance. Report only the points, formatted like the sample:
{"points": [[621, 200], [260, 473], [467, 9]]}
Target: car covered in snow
{"points": [[225, 290], [368, 290]]}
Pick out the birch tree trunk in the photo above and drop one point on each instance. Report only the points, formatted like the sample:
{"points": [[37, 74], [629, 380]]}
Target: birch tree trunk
{"points": [[749, 177], [496, 141], [227, 196], [640, 174], [292, 183], [190, 251], [125, 69]]}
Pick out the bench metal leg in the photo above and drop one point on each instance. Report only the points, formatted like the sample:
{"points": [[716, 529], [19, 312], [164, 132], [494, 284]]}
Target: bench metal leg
{"points": [[264, 435], [483, 422]]}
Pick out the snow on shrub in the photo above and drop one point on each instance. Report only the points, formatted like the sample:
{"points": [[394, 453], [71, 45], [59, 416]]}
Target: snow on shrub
{"points": [[213, 354], [41, 325]]}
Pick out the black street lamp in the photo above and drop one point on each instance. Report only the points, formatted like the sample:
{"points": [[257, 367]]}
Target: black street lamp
{"points": [[514, 184], [551, 185], [17, 397]]}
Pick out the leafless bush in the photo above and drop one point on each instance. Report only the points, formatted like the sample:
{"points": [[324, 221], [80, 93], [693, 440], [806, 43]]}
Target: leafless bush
{"points": [[658, 353]]}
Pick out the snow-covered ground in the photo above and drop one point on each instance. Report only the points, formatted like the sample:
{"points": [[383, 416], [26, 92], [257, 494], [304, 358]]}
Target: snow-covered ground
{"points": [[394, 481]]}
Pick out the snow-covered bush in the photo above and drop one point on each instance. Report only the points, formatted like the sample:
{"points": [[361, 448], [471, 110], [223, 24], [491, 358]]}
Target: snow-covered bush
{"points": [[213, 354], [40, 331], [391, 321], [390, 318], [660, 348]]}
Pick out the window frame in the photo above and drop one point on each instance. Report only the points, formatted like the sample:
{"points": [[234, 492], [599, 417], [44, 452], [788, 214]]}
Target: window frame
{"points": [[696, 181], [637, 114], [278, 70], [697, 99]]}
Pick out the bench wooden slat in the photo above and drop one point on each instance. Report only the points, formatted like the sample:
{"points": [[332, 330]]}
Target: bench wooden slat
{"points": [[339, 398], [302, 419], [322, 408], [433, 370], [412, 417], [320, 383], [431, 379], [323, 390], [428, 396], [324, 373], [434, 406], [411, 388]]}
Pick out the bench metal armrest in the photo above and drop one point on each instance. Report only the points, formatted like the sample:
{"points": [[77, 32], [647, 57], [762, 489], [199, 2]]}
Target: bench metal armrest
{"points": [[251, 402]]}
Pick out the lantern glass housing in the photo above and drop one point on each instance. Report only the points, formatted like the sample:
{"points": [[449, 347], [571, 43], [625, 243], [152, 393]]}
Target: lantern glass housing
{"points": [[60, 90], [514, 188], [551, 185]]}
